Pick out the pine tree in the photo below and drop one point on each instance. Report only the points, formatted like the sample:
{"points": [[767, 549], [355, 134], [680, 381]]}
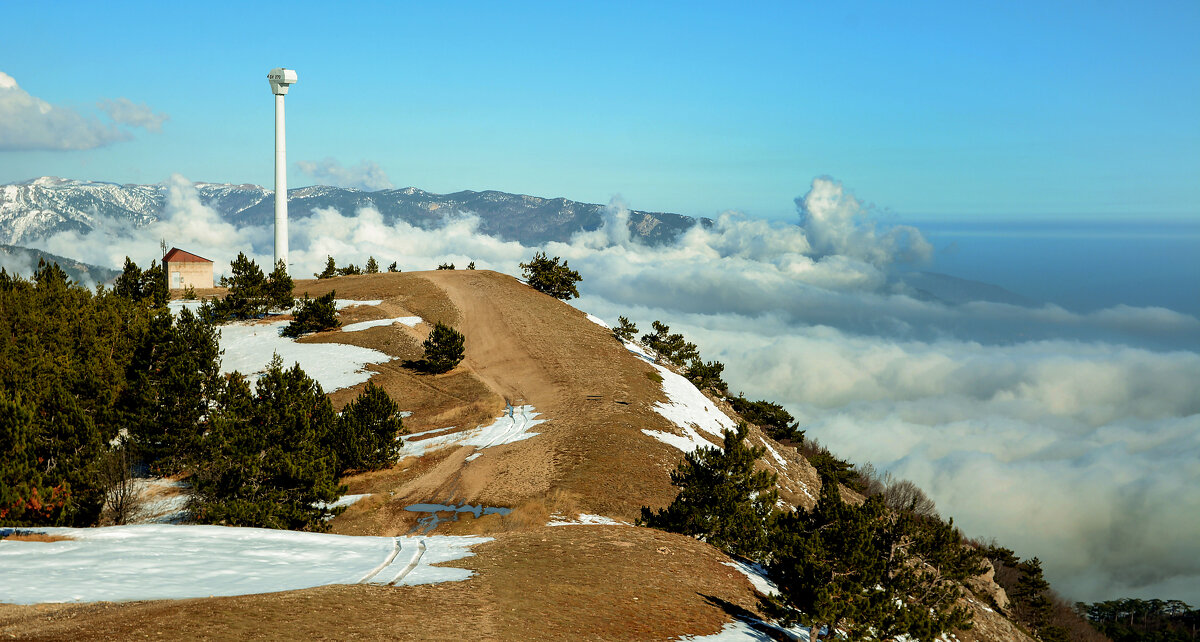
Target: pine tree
{"points": [[722, 499], [246, 298], [368, 431], [265, 459], [707, 376], [1029, 596], [874, 573], [771, 417], [23, 497], [279, 288], [392, 267], [672, 347], [444, 349], [330, 270], [314, 315], [173, 376], [626, 330], [547, 276]]}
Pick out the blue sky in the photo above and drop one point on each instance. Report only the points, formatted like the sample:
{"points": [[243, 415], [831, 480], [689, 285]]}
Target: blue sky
{"points": [[1005, 109]]}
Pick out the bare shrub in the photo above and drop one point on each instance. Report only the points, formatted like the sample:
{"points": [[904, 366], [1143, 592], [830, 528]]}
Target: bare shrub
{"points": [[870, 480], [903, 495], [121, 498]]}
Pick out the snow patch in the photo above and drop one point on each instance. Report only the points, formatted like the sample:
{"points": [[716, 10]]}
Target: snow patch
{"points": [[687, 406], [756, 574], [363, 325], [752, 629], [344, 500], [778, 459], [147, 562], [688, 409], [598, 321], [249, 347], [342, 304], [512, 426], [584, 519]]}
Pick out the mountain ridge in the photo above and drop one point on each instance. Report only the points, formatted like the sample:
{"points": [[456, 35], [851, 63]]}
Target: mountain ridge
{"points": [[47, 205]]}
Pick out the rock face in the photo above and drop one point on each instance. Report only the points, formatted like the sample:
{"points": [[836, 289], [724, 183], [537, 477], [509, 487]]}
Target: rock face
{"points": [[47, 205], [986, 584]]}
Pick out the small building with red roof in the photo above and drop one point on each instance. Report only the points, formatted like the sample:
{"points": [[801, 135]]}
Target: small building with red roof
{"points": [[186, 269]]}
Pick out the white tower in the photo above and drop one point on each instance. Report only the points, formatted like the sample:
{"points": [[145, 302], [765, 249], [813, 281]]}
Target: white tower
{"points": [[280, 79]]}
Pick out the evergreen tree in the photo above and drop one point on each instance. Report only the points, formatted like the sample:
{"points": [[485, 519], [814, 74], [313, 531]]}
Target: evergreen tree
{"points": [[149, 286], [247, 285], [547, 276], [443, 349], [349, 270], [314, 315], [1030, 596], [279, 288], [672, 347], [626, 330], [372, 267], [129, 283], [368, 432], [392, 267], [770, 416], [330, 270], [172, 377], [722, 499], [471, 265], [23, 497], [63, 352], [871, 572], [265, 463], [707, 376], [446, 266], [154, 285]]}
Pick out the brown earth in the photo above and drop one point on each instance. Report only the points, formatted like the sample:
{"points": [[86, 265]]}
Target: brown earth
{"points": [[532, 581], [25, 536], [569, 582]]}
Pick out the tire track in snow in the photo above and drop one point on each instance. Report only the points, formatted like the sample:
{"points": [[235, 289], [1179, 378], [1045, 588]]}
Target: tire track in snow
{"points": [[390, 558], [412, 563], [519, 422]]}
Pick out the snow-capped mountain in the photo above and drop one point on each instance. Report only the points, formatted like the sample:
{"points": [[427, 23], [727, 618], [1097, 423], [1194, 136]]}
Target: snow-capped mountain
{"points": [[44, 206]]}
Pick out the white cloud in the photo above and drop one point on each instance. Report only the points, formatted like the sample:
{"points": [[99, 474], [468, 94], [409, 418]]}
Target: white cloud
{"points": [[367, 175], [126, 112], [28, 122]]}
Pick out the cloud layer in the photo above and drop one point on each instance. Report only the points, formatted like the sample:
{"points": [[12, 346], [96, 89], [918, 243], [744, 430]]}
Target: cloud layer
{"points": [[28, 122], [1072, 437], [367, 175]]}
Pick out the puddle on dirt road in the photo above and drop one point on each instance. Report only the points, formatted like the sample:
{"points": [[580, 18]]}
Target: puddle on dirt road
{"points": [[436, 514]]}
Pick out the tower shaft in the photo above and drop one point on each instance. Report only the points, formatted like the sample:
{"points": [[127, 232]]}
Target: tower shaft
{"points": [[281, 221]]}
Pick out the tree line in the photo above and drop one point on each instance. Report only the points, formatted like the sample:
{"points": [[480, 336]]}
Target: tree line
{"points": [[87, 377]]}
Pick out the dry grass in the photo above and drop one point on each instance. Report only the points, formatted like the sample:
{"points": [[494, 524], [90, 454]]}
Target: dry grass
{"points": [[32, 536]]}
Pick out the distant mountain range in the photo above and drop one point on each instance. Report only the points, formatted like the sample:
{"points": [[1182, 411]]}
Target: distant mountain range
{"points": [[44, 206], [24, 260]]}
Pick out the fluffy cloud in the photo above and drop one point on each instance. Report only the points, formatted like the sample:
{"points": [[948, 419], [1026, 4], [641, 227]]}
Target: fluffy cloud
{"points": [[126, 112], [367, 175], [28, 122], [184, 221], [1071, 436]]}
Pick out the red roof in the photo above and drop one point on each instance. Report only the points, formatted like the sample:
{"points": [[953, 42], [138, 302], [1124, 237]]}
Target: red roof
{"points": [[177, 255]]}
